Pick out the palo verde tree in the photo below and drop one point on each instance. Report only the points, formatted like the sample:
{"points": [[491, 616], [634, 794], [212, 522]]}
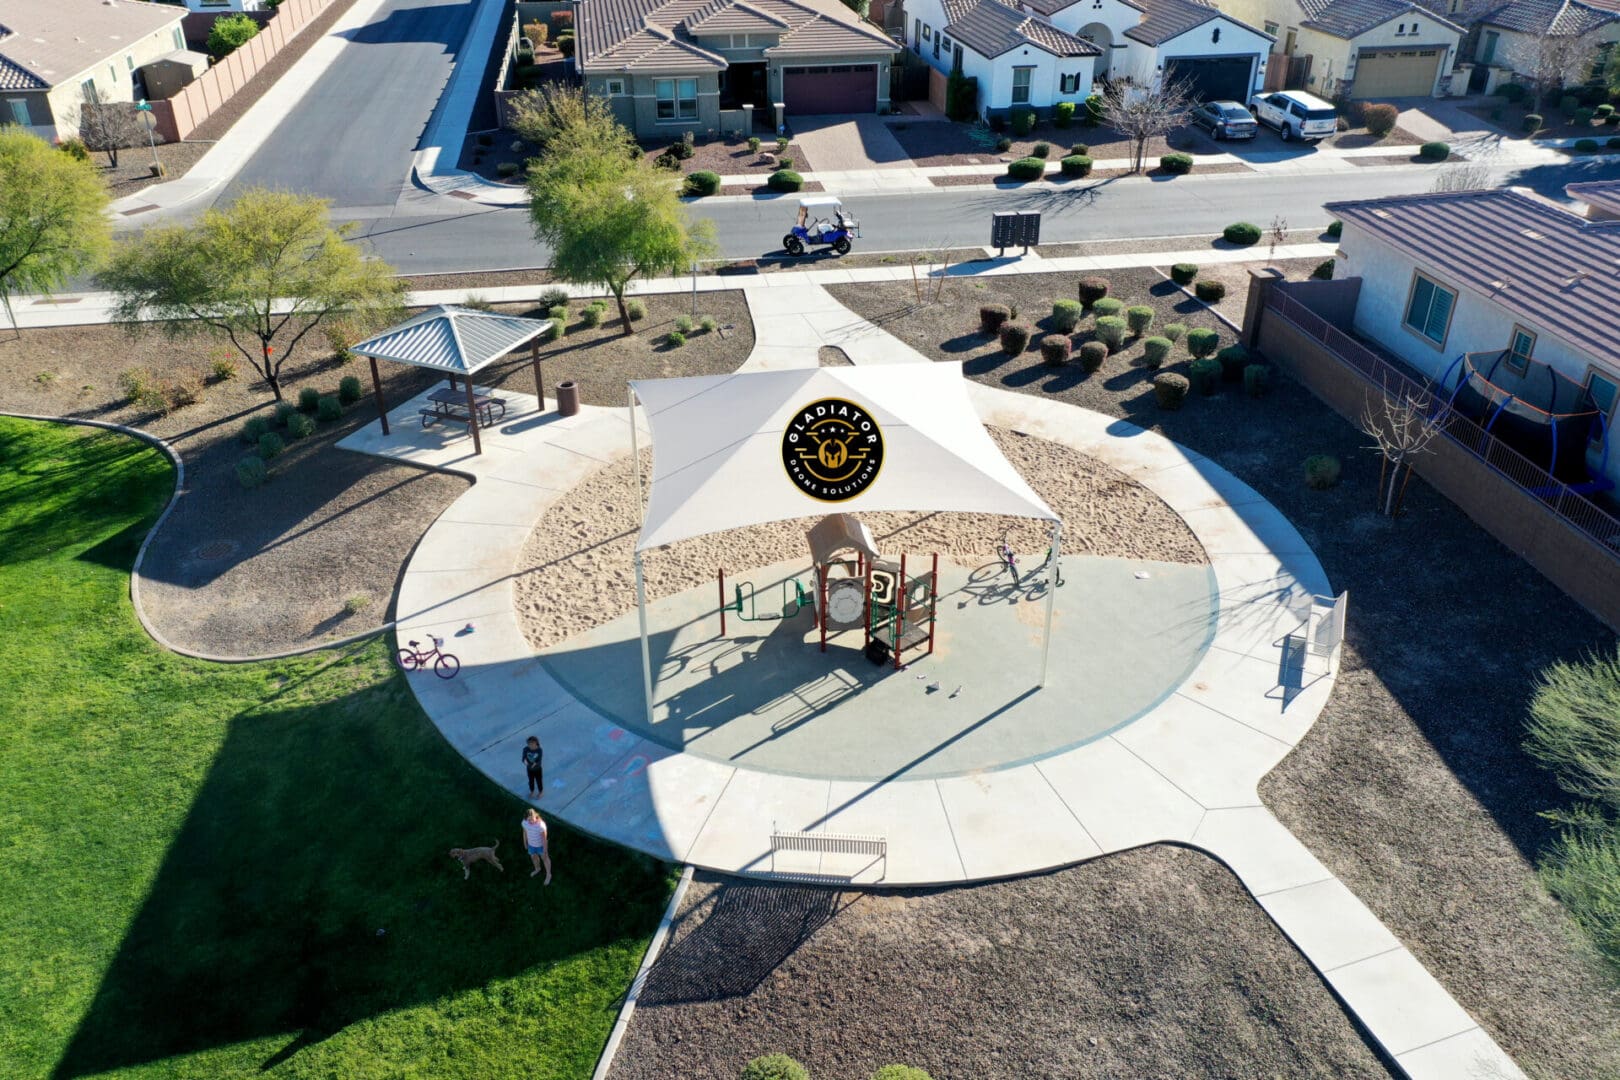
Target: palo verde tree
{"points": [[53, 216], [561, 119], [1142, 115], [262, 273]]}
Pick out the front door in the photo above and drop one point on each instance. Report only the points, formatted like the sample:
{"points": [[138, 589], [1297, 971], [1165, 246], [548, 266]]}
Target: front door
{"points": [[1487, 53]]}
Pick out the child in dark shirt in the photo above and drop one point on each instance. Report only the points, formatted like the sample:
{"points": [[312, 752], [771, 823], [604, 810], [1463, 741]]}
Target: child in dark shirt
{"points": [[532, 758]]}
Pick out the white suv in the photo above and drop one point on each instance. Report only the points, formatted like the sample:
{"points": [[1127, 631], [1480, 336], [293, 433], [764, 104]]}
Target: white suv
{"points": [[1295, 114]]}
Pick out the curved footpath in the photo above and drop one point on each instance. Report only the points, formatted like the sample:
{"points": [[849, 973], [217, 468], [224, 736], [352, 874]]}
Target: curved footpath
{"points": [[1185, 772]]}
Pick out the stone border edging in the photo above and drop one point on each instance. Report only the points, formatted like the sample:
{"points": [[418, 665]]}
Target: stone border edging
{"points": [[604, 1064]]}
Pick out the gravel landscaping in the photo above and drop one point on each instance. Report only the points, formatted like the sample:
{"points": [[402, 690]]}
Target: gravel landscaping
{"points": [[1060, 180], [1150, 963], [1412, 786], [942, 142]]}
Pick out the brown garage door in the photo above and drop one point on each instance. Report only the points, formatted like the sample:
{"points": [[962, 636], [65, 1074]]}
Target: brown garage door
{"points": [[1396, 73], [839, 89]]}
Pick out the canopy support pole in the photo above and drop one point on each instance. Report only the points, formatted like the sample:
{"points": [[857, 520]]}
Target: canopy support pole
{"points": [[635, 462], [539, 383], [376, 388], [1051, 596], [646, 657], [472, 418]]}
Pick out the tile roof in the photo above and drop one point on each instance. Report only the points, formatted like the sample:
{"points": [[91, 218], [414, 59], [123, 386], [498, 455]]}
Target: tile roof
{"points": [[656, 35], [1558, 18], [991, 28], [1565, 278], [722, 17], [1165, 19], [1604, 194], [1351, 18], [44, 43]]}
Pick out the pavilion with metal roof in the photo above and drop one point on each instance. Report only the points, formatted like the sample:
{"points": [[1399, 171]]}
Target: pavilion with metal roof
{"points": [[459, 342]]}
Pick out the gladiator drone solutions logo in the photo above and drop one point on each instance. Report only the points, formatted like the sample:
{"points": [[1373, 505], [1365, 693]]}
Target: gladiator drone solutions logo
{"points": [[832, 450]]}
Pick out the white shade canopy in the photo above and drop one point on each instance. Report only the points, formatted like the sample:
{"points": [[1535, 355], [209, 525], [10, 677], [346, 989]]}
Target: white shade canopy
{"points": [[718, 448]]}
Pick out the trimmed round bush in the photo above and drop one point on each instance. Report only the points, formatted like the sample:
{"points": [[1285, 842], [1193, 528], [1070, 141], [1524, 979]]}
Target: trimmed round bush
{"points": [[991, 316], [1041, 150], [1055, 349], [1183, 273], [349, 389], [1111, 331], [1107, 306], [591, 316], [1205, 375], [1003, 145], [774, 1067], [300, 427], [1139, 317], [1066, 315], [708, 324], [1321, 471], [1324, 270], [271, 444], [506, 170], [1242, 233], [675, 339], [251, 472], [1014, 338], [906, 1072], [1176, 164], [1062, 115], [309, 399], [1614, 143], [1533, 122], [785, 180], [285, 411], [557, 313], [1434, 151], [1582, 117], [1379, 119], [255, 429], [1079, 149], [683, 323], [1335, 229], [1091, 290], [784, 162], [1029, 168], [1174, 331], [1023, 121], [1092, 355], [1170, 389], [1233, 359], [703, 182], [1155, 350], [1202, 342], [1568, 103], [1075, 165], [551, 333], [636, 309], [1586, 146], [1257, 380], [1210, 292], [329, 408], [1512, 91], [753, 144], [1604, 111]]}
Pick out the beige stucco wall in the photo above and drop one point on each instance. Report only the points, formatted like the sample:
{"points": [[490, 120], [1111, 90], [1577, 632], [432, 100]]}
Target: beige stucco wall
{"points": [[637, 108], [113, 75], [773, 73]]}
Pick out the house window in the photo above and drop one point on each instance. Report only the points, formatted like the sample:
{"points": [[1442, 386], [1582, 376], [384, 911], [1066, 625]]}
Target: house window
{"points": [[615, 87], [1215, 36], [1428, 312], [1271, 29], [916, 36], [928, 32], [1519, 350], [129, 61], [1021, 77], [945, 41], [179, 38], [677, 99], [1488, 53], [19, 111], [87, 89], [1069, 84], [1603, 390], [937, 38]]}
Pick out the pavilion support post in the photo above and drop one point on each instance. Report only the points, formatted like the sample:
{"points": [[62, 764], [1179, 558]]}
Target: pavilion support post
{"points": [[646, 656], [472, 419], [539, 383], [376, 388], [635, 461], [1051, 596]]}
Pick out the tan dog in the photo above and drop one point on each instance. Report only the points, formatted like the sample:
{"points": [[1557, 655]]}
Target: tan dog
{"points": [[467, 856]]}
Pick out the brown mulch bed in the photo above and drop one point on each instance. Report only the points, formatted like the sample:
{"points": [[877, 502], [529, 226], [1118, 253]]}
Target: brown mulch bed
{"points": [[947, 143], [1511, 125], [133, 172], [1235, 276], [762, 189], [1412, 786], [730, 156], [1095, 174], [1374, 160], [1358, 137], [1150, 963]]}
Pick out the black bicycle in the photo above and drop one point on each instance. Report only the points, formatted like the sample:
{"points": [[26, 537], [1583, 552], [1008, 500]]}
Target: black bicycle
{"points": [[445, 665]]}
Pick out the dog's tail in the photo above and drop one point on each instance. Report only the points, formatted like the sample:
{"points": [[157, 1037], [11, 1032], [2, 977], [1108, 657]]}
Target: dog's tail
{"points": [[495, 845]]}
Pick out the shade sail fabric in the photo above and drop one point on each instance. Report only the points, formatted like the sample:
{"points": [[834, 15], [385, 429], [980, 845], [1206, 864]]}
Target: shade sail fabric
{"points": [[452, 339], [718, 449]]}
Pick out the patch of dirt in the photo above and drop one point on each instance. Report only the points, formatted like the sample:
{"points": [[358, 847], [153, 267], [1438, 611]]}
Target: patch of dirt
{"points": [[133, 172], [1511, 122], [1149, 963], [1372, 160], [730, 156], [761, 189], [1235, 276], [999, 180], [1358, 137], [948, 143]]}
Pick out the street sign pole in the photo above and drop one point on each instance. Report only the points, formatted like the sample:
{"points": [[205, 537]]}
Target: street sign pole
{"points": [[144, 107]]}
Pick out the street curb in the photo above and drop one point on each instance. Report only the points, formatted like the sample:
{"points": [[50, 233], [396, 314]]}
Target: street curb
{"points": [[482, 30], [604, 1064]]}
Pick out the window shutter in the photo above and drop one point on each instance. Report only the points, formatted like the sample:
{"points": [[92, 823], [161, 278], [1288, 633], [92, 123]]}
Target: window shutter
{"points": [[1417, 311], [1439, 312]]}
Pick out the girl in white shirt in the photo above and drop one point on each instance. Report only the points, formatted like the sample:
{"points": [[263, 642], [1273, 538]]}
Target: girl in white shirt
{"points": [[534, 839]]}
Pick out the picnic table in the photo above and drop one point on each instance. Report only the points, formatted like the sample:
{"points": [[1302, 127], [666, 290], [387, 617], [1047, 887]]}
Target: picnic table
{"points": [[447, 404]]}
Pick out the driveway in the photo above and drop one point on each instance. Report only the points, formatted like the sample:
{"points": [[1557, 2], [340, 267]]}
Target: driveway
{"points": [[849, 143]]}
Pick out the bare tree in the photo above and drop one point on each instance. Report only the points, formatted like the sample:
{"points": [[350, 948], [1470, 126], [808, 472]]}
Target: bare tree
{"points": [[1552, 61], [1278, 234], [1401, 427], [1468, 176], [1142, 115], [939, 253], [108, 126]]}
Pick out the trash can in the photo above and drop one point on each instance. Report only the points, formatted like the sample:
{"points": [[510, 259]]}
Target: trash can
{"points": [[567, 397]]}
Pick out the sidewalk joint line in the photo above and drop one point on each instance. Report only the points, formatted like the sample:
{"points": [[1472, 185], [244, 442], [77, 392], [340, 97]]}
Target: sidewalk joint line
{"points": [[1101, 850], [1369, 956], [950, 825]]}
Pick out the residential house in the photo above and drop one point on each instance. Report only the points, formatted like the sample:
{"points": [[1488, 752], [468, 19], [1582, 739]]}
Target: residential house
{"points": [[1029, 52], [1505, 275], [1356, 48], [1508, 37], [215, 6], [53, 53], [669, 66]]}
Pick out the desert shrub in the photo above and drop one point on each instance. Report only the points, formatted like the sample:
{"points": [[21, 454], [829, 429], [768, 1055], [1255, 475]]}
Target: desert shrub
{"points": [[1092, 355], [1063, 114], [506, 170], [1205, 374], [1014, 338], [900, 1072], [1321, 471], [1582, 117], [1003, 145], [354, 605], [557, 313], [592, 316], [1532, 122], [1568, 103], [1155, 350], [1055, 349], [784, 162], [703, 182], [668, 160], [707, 324], [1210, 292], [551, 297], [683, 323], [1091, 290], [1604, 111], [991, 316], [1075, 165], [300, 427], [1233, 359], [551, 333], [285, 411], [565, 43], [1111, 331], [477, 303], [1066, 315], [1586, 146], [1139, 317], [231, 32], [1582, 868], [1512, 91], [271, 444], [774, 1067], [1242, 233], [75, 149], [1170, 389], [1434, 151], [222, 369], [329, 408], [135, 383], [1029, 168], [961, 96], [753, 144], [349, 389], [1183, 273], [1324, 270], [254, 429], [1174, 331], [251, 472], [1022, 120], [1335, 229], [636, 309], [1201, 342], [1257, 380], [782, 143], [675, 339], [1095, 106], [1041, 150], [1079, 149], [1379, 118], [1176, 164], [185, 388], [785, 180], [309, 399], [1574, 726], [1107, 306]]}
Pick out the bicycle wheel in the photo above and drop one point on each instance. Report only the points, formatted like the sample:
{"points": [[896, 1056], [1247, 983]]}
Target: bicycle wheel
{"points": [[408, 660], [446, 666]]}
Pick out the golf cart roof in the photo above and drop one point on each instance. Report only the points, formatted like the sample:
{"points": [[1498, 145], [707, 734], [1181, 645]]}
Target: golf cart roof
{"points": [[813, 201]]}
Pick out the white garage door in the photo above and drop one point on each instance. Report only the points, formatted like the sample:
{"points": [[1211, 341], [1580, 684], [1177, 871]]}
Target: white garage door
{"points": [[1396, 73]]}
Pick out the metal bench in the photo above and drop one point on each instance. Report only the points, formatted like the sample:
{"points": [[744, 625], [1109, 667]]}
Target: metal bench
{"points": [[823, 843]]}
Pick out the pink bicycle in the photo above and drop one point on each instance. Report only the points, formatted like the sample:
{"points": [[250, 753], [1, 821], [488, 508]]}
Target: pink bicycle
{"points": [[444, 664]]}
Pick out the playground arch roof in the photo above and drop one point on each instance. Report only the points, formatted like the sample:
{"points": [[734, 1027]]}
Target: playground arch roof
{"points": [[718, 457]]}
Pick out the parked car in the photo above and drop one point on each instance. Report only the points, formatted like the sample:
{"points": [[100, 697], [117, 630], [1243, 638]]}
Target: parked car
{"points": [[1296, 114], [1225, 120]]}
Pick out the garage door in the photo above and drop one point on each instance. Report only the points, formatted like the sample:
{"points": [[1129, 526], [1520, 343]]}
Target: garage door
{"points": [[1215, 78], [1396, 73], [842, 89]]}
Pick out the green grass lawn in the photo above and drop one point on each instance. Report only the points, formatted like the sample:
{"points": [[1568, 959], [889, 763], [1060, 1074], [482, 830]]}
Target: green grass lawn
{"points": [[216, 870]]}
